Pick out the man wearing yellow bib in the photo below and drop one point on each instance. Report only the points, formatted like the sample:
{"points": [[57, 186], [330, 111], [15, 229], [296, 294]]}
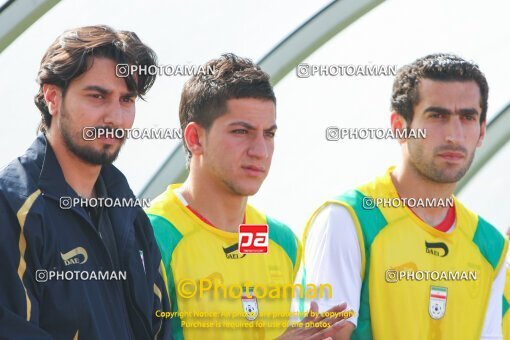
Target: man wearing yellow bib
{"points": [[506, 300], [402, 251], [506, 305], [226, 281]]}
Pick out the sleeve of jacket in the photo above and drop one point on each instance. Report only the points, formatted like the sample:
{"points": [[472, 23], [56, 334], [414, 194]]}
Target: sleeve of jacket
{"points": [[161, 326], [19, 291]]}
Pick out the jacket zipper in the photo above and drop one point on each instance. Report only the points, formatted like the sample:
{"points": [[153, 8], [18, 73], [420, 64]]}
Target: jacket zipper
{"points": [[133, 306]]}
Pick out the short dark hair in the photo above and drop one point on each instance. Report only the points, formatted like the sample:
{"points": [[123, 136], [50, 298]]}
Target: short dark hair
{"points": [[70, 56], [442, 67], [205, 94]]}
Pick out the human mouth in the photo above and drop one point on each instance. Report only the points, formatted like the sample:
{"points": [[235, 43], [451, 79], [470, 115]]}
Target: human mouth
{"points": [[253, 170], [452, 156]]}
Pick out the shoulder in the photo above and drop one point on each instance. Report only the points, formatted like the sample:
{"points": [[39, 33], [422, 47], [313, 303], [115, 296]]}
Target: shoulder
{"points": [[18, 182], [489, 240], [491, 243], [281, 234]]}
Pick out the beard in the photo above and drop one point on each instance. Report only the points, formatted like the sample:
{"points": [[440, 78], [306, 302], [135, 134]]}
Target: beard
{"points": [[86, 153], [432, 171]]}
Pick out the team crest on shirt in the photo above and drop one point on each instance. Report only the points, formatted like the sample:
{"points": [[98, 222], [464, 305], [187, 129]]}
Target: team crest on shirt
{"points": [[76, 256], [250, 305], [231, 252], [437, 302], [436, 248]]}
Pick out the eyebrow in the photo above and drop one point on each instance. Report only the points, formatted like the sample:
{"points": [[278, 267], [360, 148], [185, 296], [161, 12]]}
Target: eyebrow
{"points": [[251, 127], [104, 91], [442, 110]]}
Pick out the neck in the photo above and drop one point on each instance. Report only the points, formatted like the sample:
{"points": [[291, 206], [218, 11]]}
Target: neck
{"points": [[80, 175], [225, 210], [411, 184]]}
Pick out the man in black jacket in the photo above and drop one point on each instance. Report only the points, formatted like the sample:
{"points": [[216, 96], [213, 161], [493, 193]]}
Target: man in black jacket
{"points": [[78, 255]]}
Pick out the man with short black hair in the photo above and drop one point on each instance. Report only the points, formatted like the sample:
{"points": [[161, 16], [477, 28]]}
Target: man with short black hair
{"points": [[229, 122], [391, 260]]}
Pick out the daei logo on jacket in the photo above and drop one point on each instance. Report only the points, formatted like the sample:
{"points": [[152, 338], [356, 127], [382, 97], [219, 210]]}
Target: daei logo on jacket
{"points": [[253, 238], [76, 256]]}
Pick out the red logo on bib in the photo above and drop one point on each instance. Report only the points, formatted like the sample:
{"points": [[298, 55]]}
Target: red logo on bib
{"points": [[253, 238]]}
